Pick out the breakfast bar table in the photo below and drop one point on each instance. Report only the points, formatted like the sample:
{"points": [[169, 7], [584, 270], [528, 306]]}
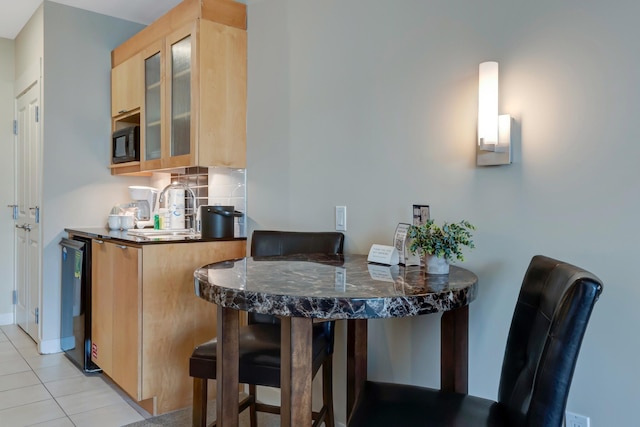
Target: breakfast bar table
{"points": [[303, 289]]}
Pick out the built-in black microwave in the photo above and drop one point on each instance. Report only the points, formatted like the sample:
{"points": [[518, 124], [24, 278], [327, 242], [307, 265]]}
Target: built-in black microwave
{"points": [[126, 145]]}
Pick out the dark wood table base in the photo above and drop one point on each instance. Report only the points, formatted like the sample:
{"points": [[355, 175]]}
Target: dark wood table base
{"points": [[454, 354], [296, 346], [227, 367], [297, 341], [454, 350]]}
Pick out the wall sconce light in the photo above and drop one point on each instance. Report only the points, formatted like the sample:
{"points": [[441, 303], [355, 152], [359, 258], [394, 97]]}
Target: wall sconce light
{"points": [[494, 130]]}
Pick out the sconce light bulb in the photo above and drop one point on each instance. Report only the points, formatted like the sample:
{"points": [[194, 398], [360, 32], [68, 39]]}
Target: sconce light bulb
{"points": [[494, 131], [488, 103]]}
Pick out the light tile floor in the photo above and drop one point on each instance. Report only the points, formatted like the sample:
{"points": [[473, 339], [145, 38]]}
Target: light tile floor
{"points": [[49, 390]]}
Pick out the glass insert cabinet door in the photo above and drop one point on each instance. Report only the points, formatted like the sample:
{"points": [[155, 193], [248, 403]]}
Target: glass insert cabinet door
{"points": [[180, 143], [167, 123], [153, 107]]}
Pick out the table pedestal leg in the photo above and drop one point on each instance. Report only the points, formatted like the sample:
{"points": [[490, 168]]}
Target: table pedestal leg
{"points": [[356, 360], [295, 371], [227, 368], [454, 350]]}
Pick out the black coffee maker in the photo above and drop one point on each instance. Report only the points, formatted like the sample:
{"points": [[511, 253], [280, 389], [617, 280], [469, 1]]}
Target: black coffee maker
{"points": [[217, 222]]}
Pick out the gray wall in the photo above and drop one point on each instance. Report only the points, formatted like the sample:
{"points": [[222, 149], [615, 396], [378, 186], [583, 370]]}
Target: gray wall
{"points": [[29, 47], [6, 179], [78, 189], [373, 104]]}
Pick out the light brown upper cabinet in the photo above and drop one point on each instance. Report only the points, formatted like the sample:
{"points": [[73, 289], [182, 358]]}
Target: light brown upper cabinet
{"points": [[126, 87], [194, 79], [126, 103]]}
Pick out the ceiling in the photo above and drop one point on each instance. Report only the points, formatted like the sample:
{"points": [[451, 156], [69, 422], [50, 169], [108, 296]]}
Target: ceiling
{"points": [[14, 14]]}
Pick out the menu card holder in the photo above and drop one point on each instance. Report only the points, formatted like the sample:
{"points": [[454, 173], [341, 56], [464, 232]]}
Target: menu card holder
{"points": [[381, 254], [402, 245]]}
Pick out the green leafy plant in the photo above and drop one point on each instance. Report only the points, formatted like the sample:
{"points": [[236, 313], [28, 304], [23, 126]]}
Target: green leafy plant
{"points": [[444, 241]]}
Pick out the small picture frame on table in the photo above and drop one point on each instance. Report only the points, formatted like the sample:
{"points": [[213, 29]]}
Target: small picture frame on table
{"points": [[420, 214]]}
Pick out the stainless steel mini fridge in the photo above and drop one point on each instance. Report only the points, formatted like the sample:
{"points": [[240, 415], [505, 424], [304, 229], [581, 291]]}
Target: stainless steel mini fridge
{"points": [[75, 307]]}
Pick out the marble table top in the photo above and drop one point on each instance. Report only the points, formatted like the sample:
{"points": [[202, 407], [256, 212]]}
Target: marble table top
{"points": [[332, 287]]}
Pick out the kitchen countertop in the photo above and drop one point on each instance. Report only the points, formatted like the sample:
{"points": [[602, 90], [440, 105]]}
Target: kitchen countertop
{"points": [[123, 236]]}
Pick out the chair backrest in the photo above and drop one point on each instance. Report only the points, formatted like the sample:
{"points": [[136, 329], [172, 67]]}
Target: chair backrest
{"points": [[554, 306], [275, 243]]}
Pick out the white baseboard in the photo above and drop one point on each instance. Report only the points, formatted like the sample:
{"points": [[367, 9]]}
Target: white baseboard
{"points": [[6, 318], [49, 346], [44, 347]]}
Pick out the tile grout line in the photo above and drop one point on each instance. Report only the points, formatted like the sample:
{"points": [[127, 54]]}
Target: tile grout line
{"points": [[38, 377], [107, 382]]}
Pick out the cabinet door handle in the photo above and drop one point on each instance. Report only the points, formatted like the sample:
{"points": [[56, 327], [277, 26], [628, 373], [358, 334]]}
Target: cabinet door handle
{"points": [[98, 241], [122, 246], [122, 111]]}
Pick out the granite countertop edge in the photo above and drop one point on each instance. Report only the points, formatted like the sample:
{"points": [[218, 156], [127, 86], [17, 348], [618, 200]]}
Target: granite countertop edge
{"points": [[122, 236]]}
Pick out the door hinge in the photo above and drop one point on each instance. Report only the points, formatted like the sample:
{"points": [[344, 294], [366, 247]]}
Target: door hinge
{"points": [[15, 297], [37, 315], [15, 127], [14, 213], [37, 113]]}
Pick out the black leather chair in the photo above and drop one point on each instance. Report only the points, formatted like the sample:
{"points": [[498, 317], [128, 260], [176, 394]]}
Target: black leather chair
{"points": [[259, 341], [549, 322]]}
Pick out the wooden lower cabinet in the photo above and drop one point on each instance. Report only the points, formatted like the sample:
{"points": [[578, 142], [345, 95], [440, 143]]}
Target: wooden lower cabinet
{"points": [[115, 305], [146, 318]]}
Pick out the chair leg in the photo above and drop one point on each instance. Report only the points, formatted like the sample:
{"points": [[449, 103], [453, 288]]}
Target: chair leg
{"points": [[199, 408], [253, 416], [327, 391]]}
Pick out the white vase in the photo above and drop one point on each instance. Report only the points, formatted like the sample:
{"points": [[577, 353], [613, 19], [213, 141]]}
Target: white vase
{"points": [[436, 265]]}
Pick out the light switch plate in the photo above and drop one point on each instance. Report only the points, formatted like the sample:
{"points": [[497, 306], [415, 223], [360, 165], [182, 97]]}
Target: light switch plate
{"points": [[341, 218]]}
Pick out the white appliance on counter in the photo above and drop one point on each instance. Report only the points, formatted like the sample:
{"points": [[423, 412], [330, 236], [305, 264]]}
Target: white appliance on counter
{"points": [[173, 203], [146, 202]]}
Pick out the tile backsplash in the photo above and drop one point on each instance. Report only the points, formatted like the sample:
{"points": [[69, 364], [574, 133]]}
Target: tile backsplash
{"points": [[228, 187], [218, 186]]}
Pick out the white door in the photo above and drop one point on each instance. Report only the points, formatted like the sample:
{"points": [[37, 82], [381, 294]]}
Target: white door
{"points": [[28, 199]]}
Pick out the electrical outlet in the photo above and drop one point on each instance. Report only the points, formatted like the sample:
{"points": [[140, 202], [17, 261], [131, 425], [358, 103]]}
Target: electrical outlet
{"points": [[576, 420], [341, 218]]}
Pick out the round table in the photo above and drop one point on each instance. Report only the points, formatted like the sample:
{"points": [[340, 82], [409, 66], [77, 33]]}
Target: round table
{"points": [[305, 288]]}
